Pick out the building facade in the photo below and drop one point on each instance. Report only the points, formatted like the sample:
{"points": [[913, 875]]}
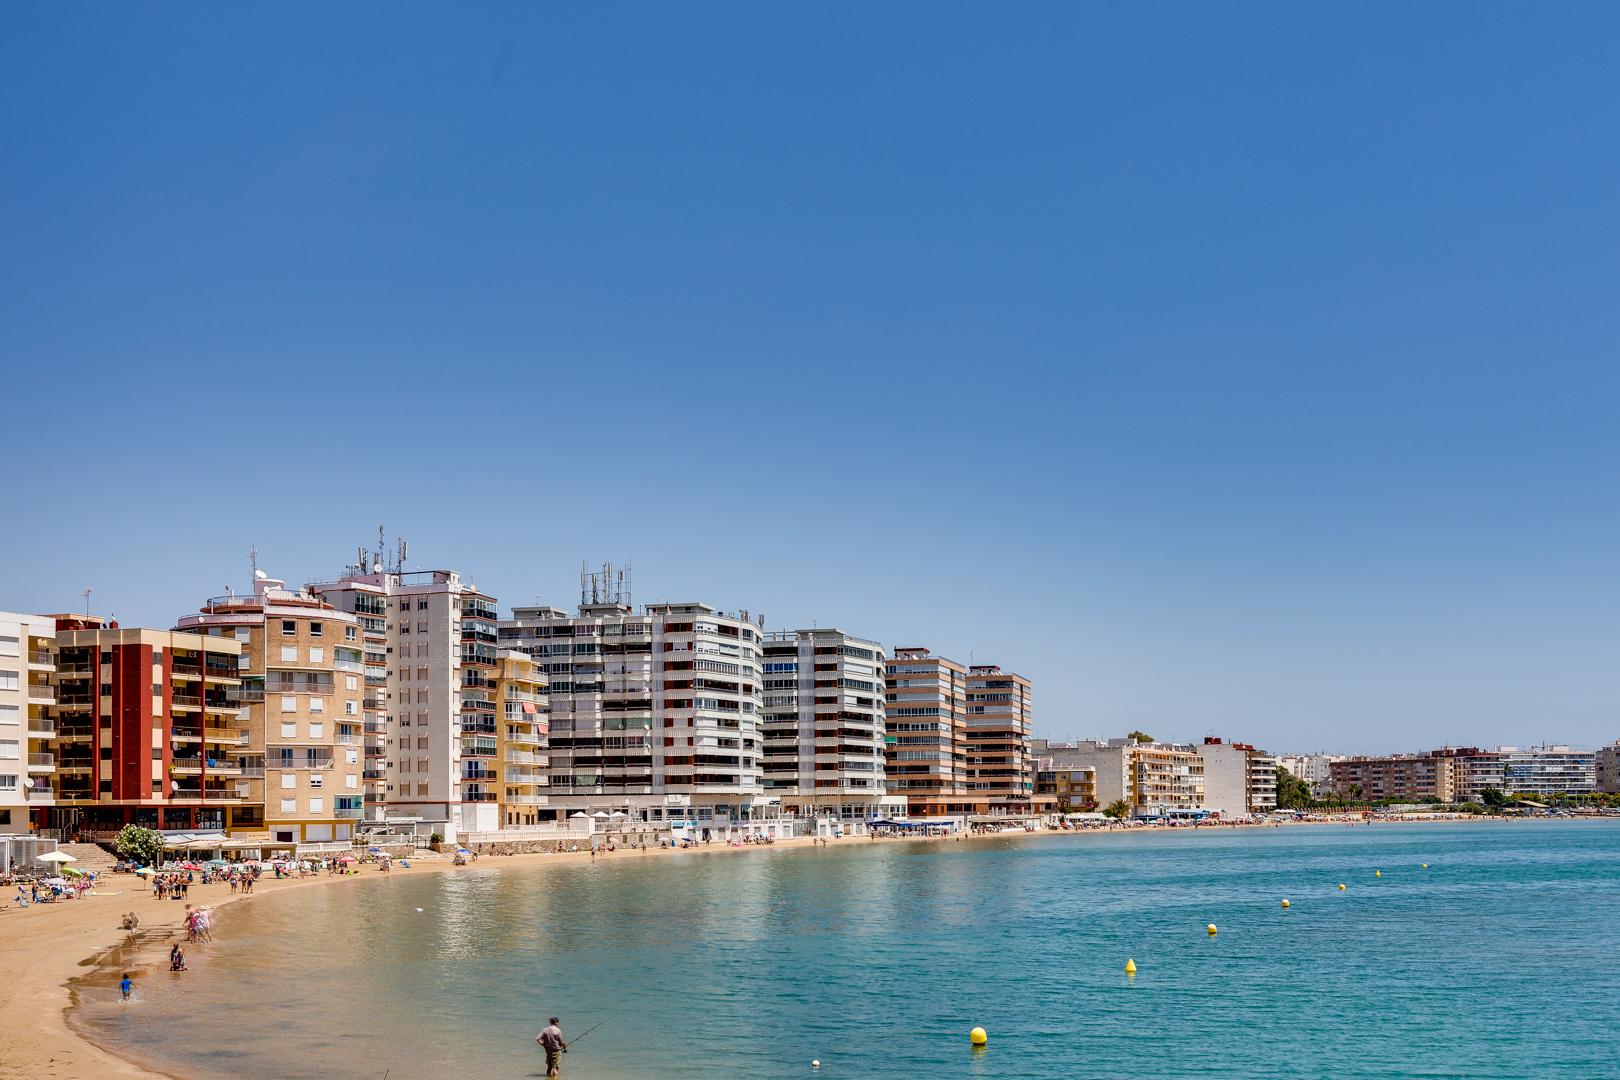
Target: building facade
{"points": [[1070, 789], [146, 729], [429, 660], [655, 716], [299, 703], [27, 761], [926, 702], [1000, 771], [1316, 770], [1239, 780], [1154, 780], [1399, 777], [1548, 770], [823, 724], [1606, 768], [521, 760]]}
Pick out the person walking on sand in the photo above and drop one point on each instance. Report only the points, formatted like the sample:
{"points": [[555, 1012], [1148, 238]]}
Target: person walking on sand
{"points": [[551, 1037], [126, 987]]}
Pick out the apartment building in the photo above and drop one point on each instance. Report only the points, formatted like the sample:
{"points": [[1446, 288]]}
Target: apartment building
{"points": [[1606, 764], [299, 703], [1548, 770], [27, 764], [823, 724], [429, 662], [1474, 771], [525, 724], [1155, 779], [1070, 789], [1000, 772], [654, 715], [926, 702], [1315, 769], [1403, 777], [1239, 780], [146, 728]]}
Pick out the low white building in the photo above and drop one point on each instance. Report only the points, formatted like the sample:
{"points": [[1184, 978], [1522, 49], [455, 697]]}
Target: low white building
{"points": [[1239, 780], [27, 766]]}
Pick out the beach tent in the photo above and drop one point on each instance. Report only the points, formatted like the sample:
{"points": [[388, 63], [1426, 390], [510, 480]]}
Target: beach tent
{"points": [[600, 814], [56, 857], [577, 815]]}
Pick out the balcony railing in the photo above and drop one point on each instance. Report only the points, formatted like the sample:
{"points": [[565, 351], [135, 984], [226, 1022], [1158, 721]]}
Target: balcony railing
{"points": [[41, 794], [39, 725], [37, 656], [44, 761], [41, 692]]}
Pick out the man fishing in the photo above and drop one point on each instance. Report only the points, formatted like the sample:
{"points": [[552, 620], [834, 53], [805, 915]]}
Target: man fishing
{"points": [[551, 1037]]}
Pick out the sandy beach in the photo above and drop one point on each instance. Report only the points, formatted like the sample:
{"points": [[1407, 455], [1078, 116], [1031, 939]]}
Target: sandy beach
{"points": [[44, 949]]}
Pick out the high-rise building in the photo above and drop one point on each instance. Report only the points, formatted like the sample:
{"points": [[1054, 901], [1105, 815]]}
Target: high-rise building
{"points": [[27, 765], [1239, 780], [1315, 769], [1607, 767], [823, 724], [525, 725], [1406, 777], [1548, 770], [147, 730], [437, 647], [1474, 772], [926, 706], [654, 715], [301, 669], [1000, 770]]}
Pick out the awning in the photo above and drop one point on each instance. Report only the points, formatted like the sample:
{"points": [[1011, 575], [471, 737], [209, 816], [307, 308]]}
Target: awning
{"points": [[528, 707]]}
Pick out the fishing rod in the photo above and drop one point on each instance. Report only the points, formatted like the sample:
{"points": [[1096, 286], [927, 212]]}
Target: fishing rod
{"points": [[584, 1033]]}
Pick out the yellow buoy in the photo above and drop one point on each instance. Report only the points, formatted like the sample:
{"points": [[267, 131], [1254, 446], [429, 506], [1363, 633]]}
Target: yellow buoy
{"points": [[1210, 928], [1378, 873], [1341, 886], [1425, 866], [1130, 967], [1285, 903], [978, 1036]]}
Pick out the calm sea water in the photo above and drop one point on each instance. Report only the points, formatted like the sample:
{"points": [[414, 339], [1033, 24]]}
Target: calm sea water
{"points": [[877, 958]]}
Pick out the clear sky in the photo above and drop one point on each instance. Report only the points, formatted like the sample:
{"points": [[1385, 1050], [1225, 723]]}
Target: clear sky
{"points": [[1240, 369]]}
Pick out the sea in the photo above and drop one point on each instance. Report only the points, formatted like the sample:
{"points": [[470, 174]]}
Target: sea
{"points": [[1453, 950]]}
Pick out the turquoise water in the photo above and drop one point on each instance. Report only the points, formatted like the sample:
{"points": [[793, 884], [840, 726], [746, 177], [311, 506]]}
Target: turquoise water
{"points": [[877, 958]]}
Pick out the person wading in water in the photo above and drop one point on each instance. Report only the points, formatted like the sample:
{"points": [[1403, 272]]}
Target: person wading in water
{"points": [[551, 1037]]}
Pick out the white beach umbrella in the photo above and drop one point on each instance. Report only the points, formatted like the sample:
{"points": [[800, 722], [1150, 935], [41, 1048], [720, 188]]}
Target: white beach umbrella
{"points": [[600, 814], [618, 813], [578, 814], [56, 856]]}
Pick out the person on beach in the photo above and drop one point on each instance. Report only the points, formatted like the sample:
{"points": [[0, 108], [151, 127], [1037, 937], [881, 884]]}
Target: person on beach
{"points": [[551, 1038], [177, 958], [126, 987]]}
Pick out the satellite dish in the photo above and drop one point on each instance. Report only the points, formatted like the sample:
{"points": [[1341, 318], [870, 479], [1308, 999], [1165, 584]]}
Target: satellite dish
{"points": [[259, 575], [174, 785], [376, 568], [28, 782]]}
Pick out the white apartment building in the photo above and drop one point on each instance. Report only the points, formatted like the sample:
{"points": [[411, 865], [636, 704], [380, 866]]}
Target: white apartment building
{"points": [[1239, 781], [1156, 779], [1548, 770], [27, 661], [429, 659], [655, 716], [1315, 769], [823, 726]]}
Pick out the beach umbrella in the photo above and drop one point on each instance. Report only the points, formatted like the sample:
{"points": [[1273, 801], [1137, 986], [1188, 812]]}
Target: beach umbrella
{"points": [[618, 813], [345, 858], [578, 814], [145, 871], [55, 881], [190, 866], [56, 857], [600, 814], [74, 870]]}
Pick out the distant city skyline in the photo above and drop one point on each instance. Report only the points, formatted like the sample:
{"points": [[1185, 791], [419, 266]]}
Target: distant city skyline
{"points": [[1248, 373]]}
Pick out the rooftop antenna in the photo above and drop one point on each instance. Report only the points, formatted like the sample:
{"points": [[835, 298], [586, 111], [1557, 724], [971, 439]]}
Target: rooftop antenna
{"points": [[584, 575], [86, 594], [404, 553], [382, 543]]}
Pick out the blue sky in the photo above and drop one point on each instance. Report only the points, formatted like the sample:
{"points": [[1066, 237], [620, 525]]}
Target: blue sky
{"points": [[1241, 369]]}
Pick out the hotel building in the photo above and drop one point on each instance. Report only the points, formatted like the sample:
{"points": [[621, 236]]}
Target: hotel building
{"points": [[1239, 781], [146, 729], [1403, 777], [27, 765], [926, 704], [1000, 773], [823, 725], [525, 724], [654, 715], [299, 701], [429, 659]]}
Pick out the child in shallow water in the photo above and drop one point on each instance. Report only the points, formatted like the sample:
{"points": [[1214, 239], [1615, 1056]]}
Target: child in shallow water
{"points": [[126, 986]]}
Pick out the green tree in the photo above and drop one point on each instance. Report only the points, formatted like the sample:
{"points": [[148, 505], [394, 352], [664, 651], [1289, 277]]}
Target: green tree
{"points": [[1292, 792], [1493, 797], [1119, 808], [139, 845], [1140, 736]]}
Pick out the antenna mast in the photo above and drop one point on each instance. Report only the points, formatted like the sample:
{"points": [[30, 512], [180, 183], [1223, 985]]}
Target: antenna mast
{"points": [[86, 594]]}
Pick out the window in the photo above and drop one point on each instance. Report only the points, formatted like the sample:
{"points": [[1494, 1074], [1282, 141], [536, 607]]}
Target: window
{"points": [[317, 804], [351, 682], [289, 703], [317, 704], [316, 780], [10, 714], [289, 806], [8, 680], [316, 629], [317, 730], [289, 780], [421, 605], [349, 633], [317, 656], [9, 749], [289, 653], [9, 646], [289, 627], [244, 633], [289, 730], [8, 783], [351, 708], [351, 781]]}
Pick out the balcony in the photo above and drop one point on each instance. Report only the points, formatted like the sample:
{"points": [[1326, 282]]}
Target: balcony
{"points": [[41, 763], [42, 693], [41, 658], [350, 812], [480, 796], [526, 800], [186, 702], [41, 726], [37, 794], [520, 757]]}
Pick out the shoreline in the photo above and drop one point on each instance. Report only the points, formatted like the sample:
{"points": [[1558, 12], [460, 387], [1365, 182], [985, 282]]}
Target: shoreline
{"points": [[51, 953]]}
